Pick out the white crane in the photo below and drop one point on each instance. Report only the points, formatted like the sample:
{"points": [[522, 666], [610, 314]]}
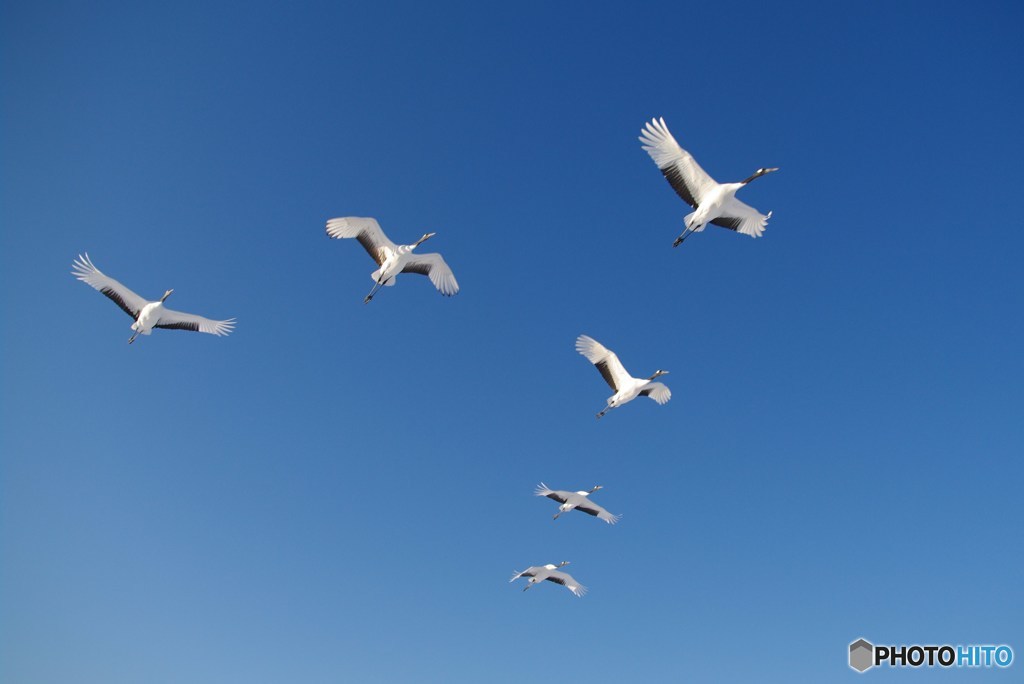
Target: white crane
{"points": [[713, 202], [393, 259], [578, 501], [627, 388], [549, 572], [147, 314]]}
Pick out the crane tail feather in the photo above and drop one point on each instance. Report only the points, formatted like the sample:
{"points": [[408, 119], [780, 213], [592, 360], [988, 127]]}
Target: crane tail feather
{"points": [[376, 274]]}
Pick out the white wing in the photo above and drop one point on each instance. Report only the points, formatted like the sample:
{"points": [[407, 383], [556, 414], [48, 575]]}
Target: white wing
{"points": [[367, 231], [658, 391], [743, 218], [176, 320], [558, 495], [591, 508], [682, 171], [433, 266], [130, 302], [567, 581], [528, 572], [605, 360]]}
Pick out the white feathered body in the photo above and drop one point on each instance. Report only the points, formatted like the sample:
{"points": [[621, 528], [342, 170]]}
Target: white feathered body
{"points": [[573, 502], [148, 318], [715, 203], [394, 261], [543, 572], [631, 390]]}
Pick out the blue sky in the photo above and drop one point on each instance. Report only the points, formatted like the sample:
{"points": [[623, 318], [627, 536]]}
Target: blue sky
{"points": [[340, 492]]}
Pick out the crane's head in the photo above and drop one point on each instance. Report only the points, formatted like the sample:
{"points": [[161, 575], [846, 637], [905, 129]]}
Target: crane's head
{"points": [[595, 488], [659, 373], [563, 563], [166, 295], [426, 236]]}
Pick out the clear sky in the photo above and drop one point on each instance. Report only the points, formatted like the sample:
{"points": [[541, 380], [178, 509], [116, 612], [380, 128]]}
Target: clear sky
{"points": [[340, 492]]}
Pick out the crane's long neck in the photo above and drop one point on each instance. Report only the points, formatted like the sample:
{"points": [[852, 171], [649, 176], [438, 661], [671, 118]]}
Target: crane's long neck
{"points": [[758, 174], [416, 244]]}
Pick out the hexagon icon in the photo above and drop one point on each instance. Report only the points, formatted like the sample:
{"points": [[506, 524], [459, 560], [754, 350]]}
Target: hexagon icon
{"points": [[862, 655]]}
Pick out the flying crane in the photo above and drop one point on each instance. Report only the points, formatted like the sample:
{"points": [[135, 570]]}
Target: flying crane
{"points": [[579, 501], [713, 202], [627, 388], [391, 258], [146, 314], [551, 573]]}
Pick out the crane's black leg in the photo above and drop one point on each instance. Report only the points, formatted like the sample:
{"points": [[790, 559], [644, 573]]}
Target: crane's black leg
{"points": [[376, 286], [685, 234]]}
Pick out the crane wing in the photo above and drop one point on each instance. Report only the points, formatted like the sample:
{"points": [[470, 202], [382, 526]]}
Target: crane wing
{"points": [[742, 218], [176, 320], [605, 359], [658, 391], [559, 496], [567, 581], [367, 231], [528, 572], [129, 302], [591, 508], [681, 170], [434, 267]]}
